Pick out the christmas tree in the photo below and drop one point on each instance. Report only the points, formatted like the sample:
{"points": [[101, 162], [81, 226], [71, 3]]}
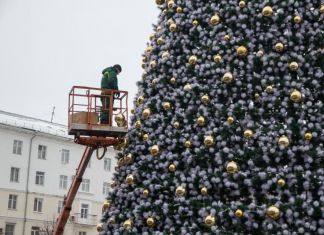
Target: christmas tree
{"points": [[227, 134]]}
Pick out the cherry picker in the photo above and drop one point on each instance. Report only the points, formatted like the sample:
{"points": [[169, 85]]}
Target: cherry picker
{"points": [[85, 106]]}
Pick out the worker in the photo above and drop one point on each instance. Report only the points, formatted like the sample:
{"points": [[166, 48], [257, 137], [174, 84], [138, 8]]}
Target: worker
{"points": [[108, 81]]}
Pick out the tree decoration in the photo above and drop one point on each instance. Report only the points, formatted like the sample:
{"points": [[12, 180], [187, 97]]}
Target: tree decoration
{"points": [[153, 64], [130, 179], [113, 184], [171, 4], [239, 213], [281, 182], [187, 87], [140, 100], [154, 150], [297, 19], [172, 168], [149, 49], [201, 121], [176, 125], [165, 55], [295, 96], [129, 158], [230, 120], [242, 4], [227, 38], [267, 11], [146, 193], [232, 167], [166, 106], [138, 124], [217, 58], [160, 41], [128, 224], [205, 99], [241, 51], [193, 59], [173, 80], [283, 141], [210, 220], [248, 134], [100, 227], [150, 222], [204, 191], [145, 137], [269, 89], [173, 27], [228, 78], [180, 191], [146, 113], [179, 10], [111, 221], [322, 9], [273, 212], [214, 20], [208, 140], [159, 2], [293, 66], [106, 204], [187, 143], [195, 23], [308, 136]]}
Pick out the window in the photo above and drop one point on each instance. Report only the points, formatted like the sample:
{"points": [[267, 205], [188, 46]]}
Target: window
{"points": [[82, 233], [65, 156], [38, 204], [35, 230], [107, 164], [17, 147], [42, 152], [85, 186], [40, 178], [59, 206], [14, 174], [63, 181], [84, 211], [10, 229], [12, 202], [105, 188]]}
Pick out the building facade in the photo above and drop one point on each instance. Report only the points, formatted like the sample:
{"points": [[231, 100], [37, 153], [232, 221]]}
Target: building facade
{"points": [[38, 161]]}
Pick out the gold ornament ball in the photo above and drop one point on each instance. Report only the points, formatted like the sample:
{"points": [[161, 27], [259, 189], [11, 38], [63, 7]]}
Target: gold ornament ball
{"points": [[227, 38], [281, 182], [208, 141], [128, 158], [138, 124], [146, 113], [230, 120], [279, 47], [308, 136], [214, 20], [132, 111], [155, 150], [296, 96], [172, 168], [195, 23], [201, 121], [173, 80], [193, 59], [179, 10], [242, 51], [170, 21], [100, 227], [210, 221], [171, 4], [160, 41], [113, 184], [242, 4], [145, 137], [231, 167], [176, 125], [119, 118], [187, 144], [297, 19], [205, 99], [180, 191], [273, 212], [150, 222], [239, 213], [106, 204], [257, 96], [217, 58], [284, 141], [159, 2], [165, 54], [165, 11], [187, 87], [322, 9], [260, 53], [140, 100], [204, 191], [267, 11], [269, 89], [146, 193], [130, 179], [228, 77], [248, 134], [166, 106], [149, 49], [128, 224], [153, 63], [111, 220], [173, 27], [293, 66], [152, 36]]}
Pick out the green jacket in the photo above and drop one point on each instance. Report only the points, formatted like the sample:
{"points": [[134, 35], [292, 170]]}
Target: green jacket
{"points": [[109, 78]]}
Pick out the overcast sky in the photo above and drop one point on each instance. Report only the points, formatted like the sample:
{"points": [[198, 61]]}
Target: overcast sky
{"points": [[47, 46]]}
